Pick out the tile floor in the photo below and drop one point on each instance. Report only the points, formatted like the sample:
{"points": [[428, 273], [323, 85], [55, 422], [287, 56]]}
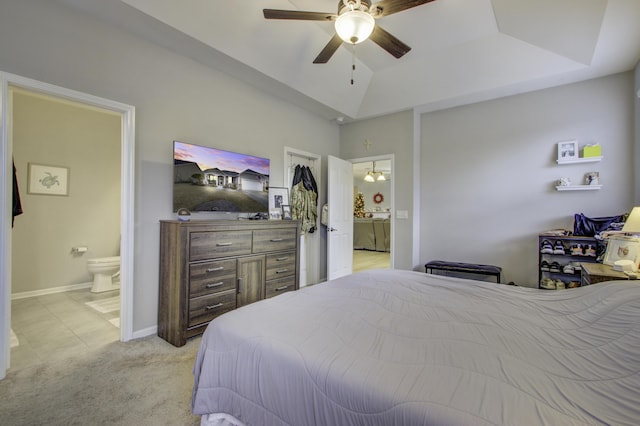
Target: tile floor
{"points": [[57, 325]]}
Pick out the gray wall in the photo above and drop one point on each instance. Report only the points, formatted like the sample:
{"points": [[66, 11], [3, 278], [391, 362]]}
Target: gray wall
{"points": [[489, 171], [87, 141], [175, 98], [391, 134], [636, 156]]}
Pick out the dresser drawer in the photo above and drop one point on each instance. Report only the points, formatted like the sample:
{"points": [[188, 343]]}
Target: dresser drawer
{"points": [[282, 285], [212, 244], [281, 265], [212, 277], [204, 309], [273, 240]]}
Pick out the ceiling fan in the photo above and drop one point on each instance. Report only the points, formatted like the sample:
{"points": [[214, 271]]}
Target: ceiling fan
{"points": [[354, 23]]}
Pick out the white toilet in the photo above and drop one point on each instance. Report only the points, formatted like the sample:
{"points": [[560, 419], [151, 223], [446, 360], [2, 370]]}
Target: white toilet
{"points": [[104, 269]]}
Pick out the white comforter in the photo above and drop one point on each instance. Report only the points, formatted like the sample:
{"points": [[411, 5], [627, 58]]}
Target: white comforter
{"points": [[407, 348]]}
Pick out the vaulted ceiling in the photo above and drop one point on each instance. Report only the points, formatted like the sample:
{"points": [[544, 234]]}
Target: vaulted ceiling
{"points": [[462, 50]]}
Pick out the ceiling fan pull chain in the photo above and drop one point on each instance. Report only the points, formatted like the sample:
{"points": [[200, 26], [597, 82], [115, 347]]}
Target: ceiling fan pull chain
{"points": [[353, 63]]}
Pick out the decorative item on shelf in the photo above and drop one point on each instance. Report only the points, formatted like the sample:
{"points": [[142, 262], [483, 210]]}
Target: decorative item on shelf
{"points": [[286, 212], [592, 178], [589, 151], [567, 150], [184, 215], [378, 198], [565, 181]]}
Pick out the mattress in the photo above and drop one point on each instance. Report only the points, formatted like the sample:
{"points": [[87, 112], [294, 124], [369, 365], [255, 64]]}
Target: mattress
{"points": [[406, 348]]}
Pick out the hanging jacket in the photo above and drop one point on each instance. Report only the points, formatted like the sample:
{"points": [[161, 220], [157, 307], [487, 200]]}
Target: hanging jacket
{"points": [[304, 199]]}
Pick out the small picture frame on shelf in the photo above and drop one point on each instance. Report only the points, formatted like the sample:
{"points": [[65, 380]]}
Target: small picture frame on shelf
{"points": [[622, 248], [286, 212], [278, 197], [592, 178], [568, 151]]}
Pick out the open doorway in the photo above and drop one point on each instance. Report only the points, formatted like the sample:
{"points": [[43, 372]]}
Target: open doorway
{"points": [[373, 217], [126, 115]]}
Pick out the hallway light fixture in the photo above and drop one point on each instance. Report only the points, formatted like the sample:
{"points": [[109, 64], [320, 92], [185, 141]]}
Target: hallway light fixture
{"points": [[370, 176]]}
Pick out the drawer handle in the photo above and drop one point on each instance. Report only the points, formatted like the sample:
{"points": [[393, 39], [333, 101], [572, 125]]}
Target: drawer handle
{"points": [[214, 306], [212, 285], [282, 288], [224, 244], [282, 271], [219, 268], [281, 259], [276, 240]]}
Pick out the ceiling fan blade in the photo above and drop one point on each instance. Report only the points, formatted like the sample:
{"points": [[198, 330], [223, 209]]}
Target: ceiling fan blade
{"points": [[328, 50], [388, 42], [389, 7], [298, 15]]}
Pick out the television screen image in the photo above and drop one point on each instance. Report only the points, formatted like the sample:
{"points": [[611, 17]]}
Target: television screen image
{"points": [[212, 180]]}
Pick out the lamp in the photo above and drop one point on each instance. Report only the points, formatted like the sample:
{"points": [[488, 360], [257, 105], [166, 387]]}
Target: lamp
{"points": [[354, 26], [632, 224], [381, 178], [369, 177]]}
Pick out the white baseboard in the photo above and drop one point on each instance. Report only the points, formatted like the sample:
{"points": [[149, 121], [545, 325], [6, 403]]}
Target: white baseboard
{"points": [[145, 332], [62, 289]]}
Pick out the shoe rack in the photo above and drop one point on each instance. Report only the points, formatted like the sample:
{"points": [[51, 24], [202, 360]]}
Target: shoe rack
{"points": [[559, 259]]}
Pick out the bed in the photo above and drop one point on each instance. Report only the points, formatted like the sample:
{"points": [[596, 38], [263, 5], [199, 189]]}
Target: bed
{"points": [[406, 348]]}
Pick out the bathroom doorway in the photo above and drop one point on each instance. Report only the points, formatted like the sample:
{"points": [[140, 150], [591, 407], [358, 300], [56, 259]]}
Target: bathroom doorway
{"points": [[122, 215], [373, 213]]}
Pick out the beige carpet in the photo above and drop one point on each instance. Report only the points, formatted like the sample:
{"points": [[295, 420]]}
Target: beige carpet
{"points": [[142, 382]]}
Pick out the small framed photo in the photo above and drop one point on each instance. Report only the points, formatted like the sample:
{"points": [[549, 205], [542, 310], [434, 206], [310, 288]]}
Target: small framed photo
{"points": [[275, 214], [622, 248], [286, 212], [278, 197], [47, 180], [567, 151]]}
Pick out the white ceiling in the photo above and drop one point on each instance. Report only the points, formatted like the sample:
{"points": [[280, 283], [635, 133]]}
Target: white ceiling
{"points": [[462, 50]]}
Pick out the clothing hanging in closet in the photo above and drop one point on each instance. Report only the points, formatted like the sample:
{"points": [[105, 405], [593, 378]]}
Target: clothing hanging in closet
{"points": [[304, 199]]}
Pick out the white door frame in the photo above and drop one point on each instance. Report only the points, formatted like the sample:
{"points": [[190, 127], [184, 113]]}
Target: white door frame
{"points": [[392, 158], [126, 210]]}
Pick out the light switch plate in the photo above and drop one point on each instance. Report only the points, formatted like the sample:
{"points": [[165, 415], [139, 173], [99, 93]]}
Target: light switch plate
{"points": [[402, 214]]}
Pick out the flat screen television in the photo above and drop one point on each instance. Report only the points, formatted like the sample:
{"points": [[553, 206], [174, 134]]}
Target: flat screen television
{"points": [[212, 180]]}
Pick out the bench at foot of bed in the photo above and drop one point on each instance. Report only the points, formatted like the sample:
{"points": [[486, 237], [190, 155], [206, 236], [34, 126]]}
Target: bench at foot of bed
{"points": [[471, 268]]}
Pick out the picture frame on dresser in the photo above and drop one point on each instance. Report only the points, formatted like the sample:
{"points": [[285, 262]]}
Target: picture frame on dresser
{"points": [[278, 197], [568, 150], [622, 248]]}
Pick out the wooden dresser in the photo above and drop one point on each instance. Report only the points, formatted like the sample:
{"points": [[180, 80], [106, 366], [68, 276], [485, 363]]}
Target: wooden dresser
{"points": [[208, 268]]}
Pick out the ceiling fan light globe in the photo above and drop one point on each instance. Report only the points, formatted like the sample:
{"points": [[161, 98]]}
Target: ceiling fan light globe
{"points": [[354, 26]]}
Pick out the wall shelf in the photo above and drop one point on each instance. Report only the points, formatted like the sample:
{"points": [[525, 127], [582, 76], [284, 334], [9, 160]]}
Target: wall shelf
{"points": [[578, 187], [580, 160]]}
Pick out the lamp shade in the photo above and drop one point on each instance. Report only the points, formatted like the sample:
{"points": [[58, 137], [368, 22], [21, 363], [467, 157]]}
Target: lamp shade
{"points": [[354, 26], [369, 177], [632, 224]]}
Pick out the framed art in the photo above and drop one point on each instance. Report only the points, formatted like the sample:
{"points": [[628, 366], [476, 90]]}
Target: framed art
{"points": [[47, 180], [275, 214], [286, 212], [278, 197], [622, 248], [567, 151]]}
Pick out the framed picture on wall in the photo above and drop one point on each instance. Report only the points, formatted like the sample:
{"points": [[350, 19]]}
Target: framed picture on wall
{"points": [[567, 151], [47, 180]]}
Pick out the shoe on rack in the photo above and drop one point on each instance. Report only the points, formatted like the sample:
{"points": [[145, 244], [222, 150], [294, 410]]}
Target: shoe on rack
{"points": [[576, 250], [560, 284], [548, 284], [544, 266], [546, 247], [568, 269], [554, 267], [558, 248], [590, 251]]}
